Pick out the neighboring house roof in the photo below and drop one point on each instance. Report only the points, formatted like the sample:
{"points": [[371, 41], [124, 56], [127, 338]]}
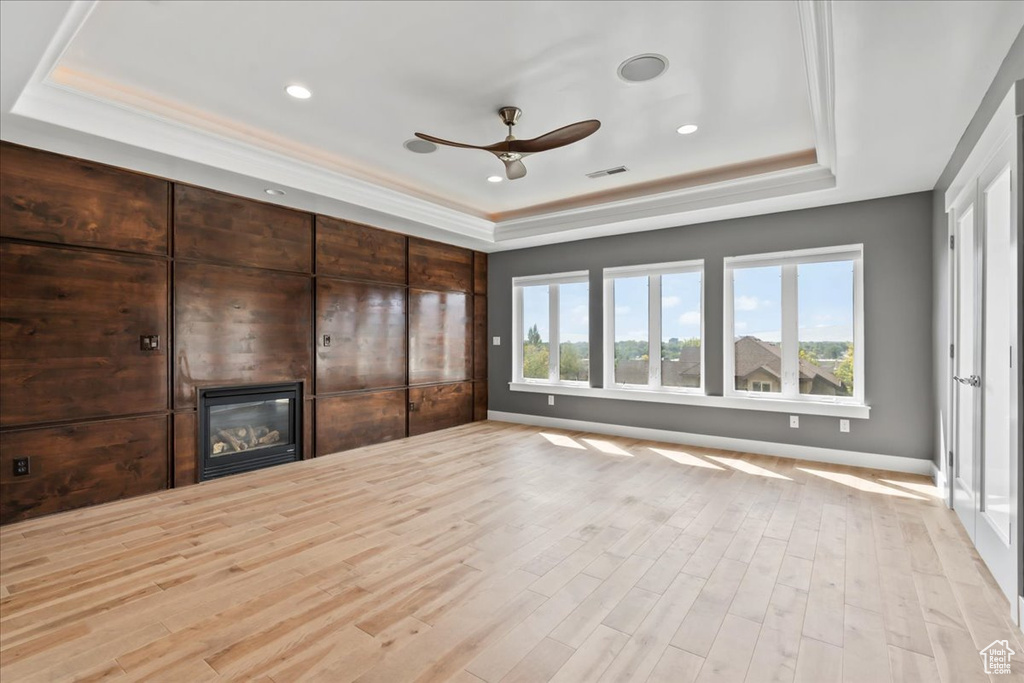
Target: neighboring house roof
{"points": [[752, 355]]}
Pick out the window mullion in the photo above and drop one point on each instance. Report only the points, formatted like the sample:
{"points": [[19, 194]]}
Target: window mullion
{"points": [[553, 342], [654, 331], [790, 333], [517, 333], [609, 333]]}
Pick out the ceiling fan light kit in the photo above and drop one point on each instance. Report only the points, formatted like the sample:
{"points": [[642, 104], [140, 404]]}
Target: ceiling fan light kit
{"points": [[511, 151]]}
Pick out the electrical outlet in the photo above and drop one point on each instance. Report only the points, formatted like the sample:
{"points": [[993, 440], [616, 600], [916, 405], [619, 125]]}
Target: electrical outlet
{"points": [[551, 400], [326, 340], [794, 421], [496, 341], [21, 467], [844, 426]]}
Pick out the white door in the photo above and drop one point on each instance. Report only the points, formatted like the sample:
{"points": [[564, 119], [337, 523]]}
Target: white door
{"points": [[984, 389], [965, 395]]}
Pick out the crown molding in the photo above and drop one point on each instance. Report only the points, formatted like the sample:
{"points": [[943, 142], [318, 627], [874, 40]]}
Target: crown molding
{"points": [[816, 34], [664, 210]]}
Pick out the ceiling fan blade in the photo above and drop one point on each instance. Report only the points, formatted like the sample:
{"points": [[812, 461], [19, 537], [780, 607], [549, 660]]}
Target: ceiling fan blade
{"points": [[440, 141], [566, 135], [514, 169]]}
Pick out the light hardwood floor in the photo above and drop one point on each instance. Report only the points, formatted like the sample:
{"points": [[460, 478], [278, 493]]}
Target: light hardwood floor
{"points": [[493, 552]]}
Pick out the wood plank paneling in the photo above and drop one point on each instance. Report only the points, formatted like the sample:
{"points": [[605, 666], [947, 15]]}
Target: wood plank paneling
{"points": [[82, 464], [479, 337], [239, 326], [70, 334], [350, 250], [440, 267], [479, 401], [354, 420], [440, 406], [53, 198], [440, 336], [479, 273], [211, 226], [308, 428], [186, 449], [366, 325]]}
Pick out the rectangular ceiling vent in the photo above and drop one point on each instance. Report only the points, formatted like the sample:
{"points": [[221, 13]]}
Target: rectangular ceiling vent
{"points": [[607, 171]]}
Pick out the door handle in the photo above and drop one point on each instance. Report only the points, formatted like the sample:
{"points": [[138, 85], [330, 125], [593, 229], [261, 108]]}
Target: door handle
{"points": [[972, 381]]}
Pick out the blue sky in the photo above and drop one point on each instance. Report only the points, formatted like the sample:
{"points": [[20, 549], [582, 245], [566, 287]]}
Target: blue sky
{"points": [[573, 310], [825, 307]]}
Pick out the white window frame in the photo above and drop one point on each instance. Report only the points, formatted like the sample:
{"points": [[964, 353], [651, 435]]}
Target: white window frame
{"points": [[788, 261], [552, 281], [653, 272]]}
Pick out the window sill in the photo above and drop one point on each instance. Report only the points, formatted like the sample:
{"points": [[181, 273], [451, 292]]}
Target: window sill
{"points": [[773, 405]]}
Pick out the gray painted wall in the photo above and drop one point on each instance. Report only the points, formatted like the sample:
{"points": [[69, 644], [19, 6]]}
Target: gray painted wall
{"points": [[1011, 70], [896, 233]]}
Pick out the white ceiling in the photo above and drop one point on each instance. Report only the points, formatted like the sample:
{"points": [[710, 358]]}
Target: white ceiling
{"points": [[194, 91], [381, 70]]}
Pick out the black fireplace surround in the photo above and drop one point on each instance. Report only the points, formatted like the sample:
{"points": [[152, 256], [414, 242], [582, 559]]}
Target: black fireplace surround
{"points": [[249, 427]]}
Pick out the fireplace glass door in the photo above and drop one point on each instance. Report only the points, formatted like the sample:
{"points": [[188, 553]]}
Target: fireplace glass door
{"points": [[249, 426]]}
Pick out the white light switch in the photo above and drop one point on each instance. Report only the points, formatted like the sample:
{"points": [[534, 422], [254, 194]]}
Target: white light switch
{"points": [[496, 341], [844, 426], [551, 400], [794, 421]]}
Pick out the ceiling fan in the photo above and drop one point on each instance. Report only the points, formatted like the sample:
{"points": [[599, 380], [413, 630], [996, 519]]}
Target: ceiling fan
{"points": [[512, 151]]}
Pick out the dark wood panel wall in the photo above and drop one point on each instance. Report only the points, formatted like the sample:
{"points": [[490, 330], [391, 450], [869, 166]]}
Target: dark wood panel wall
{"points": [[387, 332]]}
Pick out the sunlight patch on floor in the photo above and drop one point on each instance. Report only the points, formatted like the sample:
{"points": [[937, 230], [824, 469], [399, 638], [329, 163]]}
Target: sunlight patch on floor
{"points": [[860, 483], [747, 467], [606, 447], [563, 441], [684, 458], [926, 489]]}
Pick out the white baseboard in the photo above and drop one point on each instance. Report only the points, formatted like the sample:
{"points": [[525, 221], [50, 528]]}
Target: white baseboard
{"points": [[878, 461]]}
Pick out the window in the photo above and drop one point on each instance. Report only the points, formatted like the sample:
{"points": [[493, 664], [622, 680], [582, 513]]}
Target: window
{"points": [[552, 328], [654, 327], [794, 325]]}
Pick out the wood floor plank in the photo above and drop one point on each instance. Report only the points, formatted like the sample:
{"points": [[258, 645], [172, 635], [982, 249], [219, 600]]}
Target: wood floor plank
{"points": [[676, 666], [495, 552], [818, 662], [730, 654]]}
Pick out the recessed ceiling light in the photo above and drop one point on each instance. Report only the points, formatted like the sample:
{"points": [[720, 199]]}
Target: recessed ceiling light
{"points": [[298, 92], [494, 179], [274, 191], [419, 146], [687, 129], [642, 68]]}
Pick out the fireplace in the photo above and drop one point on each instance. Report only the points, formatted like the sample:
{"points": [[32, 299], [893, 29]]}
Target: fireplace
{"points": [[248, 428]]}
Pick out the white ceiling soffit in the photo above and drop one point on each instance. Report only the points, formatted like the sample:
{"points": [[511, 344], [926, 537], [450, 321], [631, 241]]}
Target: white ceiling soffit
{"points": [[143, 120]]}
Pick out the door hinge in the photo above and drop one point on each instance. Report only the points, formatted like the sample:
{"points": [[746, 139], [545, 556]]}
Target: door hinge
{"points": [[952, 241], [951, 352], [950, 463]]}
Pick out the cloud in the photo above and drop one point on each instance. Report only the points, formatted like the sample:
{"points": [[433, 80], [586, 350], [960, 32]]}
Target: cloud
{"points": [[670, 301], [690, 318], [747, 303], [622, 310], [740, 325]]}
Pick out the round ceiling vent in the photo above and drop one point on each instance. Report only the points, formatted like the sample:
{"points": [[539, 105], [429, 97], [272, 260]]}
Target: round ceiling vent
{"points": [[642, 68], [419, 146]]}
